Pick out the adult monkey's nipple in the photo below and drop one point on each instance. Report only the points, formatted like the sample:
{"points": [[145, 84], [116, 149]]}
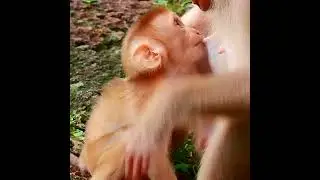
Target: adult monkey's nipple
{"points": [[213, 46], [216, 54]]}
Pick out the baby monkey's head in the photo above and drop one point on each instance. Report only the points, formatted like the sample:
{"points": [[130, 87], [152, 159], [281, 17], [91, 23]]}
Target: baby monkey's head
{"points": [[159, 44]]}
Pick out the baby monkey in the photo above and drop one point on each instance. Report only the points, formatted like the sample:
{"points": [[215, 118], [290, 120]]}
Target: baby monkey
{"points": [[157, 47]]}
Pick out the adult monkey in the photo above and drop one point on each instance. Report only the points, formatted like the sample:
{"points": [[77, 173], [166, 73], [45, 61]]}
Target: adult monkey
{"points": [[227, 155]]}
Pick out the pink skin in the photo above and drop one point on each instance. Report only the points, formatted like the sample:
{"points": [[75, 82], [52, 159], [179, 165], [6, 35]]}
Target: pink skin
{"points": [[221, 50], [137, 166]]}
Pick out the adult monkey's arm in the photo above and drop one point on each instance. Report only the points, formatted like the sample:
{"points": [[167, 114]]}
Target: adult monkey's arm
{"points": [[178, 102], [181, 99]]}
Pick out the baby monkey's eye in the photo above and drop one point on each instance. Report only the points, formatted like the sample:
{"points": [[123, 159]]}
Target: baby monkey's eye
{"points": [[178, 22]]}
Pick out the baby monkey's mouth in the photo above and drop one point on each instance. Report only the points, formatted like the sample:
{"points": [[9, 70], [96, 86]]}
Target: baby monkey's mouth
{"points": [[214, 45], [199, 42], [208, 38]]}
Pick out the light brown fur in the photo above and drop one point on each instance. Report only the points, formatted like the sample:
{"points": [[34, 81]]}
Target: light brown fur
{"points": [[148, 59], [227, 95], [114, 115]]}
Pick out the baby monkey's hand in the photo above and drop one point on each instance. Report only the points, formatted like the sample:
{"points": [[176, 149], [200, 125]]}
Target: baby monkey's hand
{"points": [[140, 148], [137, 158]]}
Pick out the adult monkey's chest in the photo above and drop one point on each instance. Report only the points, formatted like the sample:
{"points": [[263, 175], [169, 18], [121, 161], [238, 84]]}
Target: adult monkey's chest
{"points": [[227, 54], [217, 57]]}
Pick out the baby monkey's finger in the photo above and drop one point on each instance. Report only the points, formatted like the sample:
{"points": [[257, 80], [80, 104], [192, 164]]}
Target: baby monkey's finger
{"points": [[145, 165], [128, 166], [137, 162]]}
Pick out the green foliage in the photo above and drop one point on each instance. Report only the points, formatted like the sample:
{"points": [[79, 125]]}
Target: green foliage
{"points": [[177, 6], [75, 117], [185, 159], [114, 39], [89, 70], [89, 1], [75, 132]]}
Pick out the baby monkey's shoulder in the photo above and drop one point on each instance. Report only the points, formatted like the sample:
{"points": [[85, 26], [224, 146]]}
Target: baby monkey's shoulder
{"points": [[114, 86]]}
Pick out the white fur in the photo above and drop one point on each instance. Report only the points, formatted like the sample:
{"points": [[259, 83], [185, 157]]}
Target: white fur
{"points": [[231, 27]]}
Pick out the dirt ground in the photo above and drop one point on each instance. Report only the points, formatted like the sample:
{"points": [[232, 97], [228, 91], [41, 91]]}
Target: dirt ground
{"points": [[91, 23]]}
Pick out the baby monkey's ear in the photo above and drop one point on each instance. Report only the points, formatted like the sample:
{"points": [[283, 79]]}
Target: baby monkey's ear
{"points": [[148, 58]]}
